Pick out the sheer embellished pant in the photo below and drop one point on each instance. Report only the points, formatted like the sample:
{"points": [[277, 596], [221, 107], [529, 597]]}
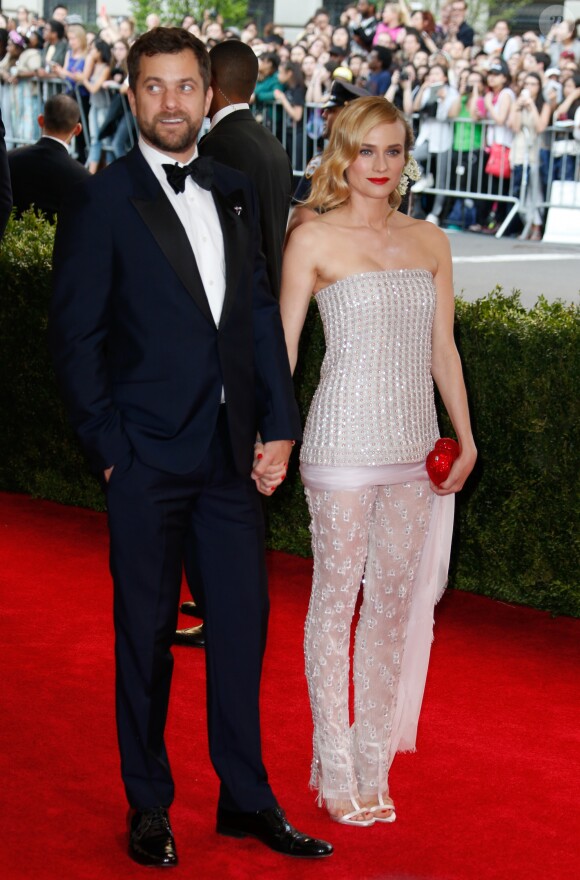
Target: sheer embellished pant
{"points": [[377, 532]]}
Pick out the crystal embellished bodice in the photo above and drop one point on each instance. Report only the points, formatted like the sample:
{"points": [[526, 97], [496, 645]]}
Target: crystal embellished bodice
{"points": [[375, 402]]}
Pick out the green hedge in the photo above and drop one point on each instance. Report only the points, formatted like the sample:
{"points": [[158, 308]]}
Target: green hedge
{"points": [[516, 527]]}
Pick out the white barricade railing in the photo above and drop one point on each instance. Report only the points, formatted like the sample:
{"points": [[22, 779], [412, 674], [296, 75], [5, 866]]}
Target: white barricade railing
{"points": [[457, 173], [21, 103]]}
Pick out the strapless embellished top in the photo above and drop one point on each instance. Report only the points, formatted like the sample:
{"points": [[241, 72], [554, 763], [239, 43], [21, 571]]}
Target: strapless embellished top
{"points": [[375, 401]]}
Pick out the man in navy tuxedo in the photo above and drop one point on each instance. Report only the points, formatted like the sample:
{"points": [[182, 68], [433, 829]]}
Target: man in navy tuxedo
{"points": [[169, 348]]}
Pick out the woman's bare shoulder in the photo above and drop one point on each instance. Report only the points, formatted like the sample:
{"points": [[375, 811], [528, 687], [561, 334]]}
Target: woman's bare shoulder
{"points": [[427, 233], [312, 232]]}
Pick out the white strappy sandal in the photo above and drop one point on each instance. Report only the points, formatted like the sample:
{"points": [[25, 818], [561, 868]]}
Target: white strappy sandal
{"points": [[380, 807], [350, 818]]}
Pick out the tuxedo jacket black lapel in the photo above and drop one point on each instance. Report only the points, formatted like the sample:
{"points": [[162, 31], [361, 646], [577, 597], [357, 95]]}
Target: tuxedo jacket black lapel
{"points": [[158, 214], [168, 231], [233, 223]]}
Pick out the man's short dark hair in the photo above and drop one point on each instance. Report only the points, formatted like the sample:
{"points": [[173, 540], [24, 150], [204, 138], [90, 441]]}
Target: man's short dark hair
{"points": [[167, 41], [57, 27], [543, 58], [272, 57], [61, 114], [234, 67], [384, 55]]}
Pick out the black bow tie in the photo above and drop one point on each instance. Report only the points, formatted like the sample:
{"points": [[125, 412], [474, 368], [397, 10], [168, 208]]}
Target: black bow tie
{"points": [[200, 170]]}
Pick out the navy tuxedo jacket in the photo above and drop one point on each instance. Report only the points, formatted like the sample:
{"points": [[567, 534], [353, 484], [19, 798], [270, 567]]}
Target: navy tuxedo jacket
{"points": [[136, 350]]}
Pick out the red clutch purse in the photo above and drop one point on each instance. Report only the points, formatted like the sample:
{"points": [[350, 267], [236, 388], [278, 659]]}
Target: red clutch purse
{"points": [[441, 458]]}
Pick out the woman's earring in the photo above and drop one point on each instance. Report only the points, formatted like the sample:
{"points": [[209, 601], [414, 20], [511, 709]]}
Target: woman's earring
{"points": [[411, 171]]}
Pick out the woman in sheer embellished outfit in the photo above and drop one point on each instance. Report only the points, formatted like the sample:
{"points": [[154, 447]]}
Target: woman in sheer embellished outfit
{"points": [[383, 285]]}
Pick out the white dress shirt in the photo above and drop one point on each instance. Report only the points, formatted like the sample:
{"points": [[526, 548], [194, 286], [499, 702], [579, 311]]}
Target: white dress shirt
{"points": [[225, 111], [196, 209]]}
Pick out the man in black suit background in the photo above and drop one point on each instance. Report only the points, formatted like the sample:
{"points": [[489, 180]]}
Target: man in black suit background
{"points": [[43, 173], [237, 140], [171, 355], [5, 188]]}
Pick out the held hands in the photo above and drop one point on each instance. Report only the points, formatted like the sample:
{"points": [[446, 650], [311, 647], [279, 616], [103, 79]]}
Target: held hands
{"points": [[270, 464]]}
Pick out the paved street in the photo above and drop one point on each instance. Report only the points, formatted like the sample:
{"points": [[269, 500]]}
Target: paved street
{"points": [[481, 261]]}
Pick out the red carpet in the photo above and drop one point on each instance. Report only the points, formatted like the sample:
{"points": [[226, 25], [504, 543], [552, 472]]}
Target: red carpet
{"points": [[491, 793]]}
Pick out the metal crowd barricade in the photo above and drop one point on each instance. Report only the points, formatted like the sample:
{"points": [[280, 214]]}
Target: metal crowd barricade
{"points": [[300, 140], [462, 174], [41, 89], [547, 164]]}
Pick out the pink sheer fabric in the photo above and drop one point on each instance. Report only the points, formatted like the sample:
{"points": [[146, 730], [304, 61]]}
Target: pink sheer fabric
{"points": [[386, 524]]}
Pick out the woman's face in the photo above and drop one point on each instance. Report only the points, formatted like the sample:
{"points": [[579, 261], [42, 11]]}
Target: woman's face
{"points": [[308, 65], [417, 21], [265, 66], [514, 62], [475, 79], [436, 76], [565, 30], [297, 54], [119, 52], [532, 85], [317, 47], [341, 37], [529, 62], [284, 75], [355, 64], [390, 15], [376, 172], [74, 42], [530, 42], [496, 81], [410, 45], [568, 87]]}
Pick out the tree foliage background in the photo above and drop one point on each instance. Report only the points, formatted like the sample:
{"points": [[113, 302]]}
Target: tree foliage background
{"points": [[234, 12]]}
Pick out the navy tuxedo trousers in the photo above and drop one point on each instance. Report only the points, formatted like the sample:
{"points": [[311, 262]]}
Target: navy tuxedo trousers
{"points": [[150, 513]]}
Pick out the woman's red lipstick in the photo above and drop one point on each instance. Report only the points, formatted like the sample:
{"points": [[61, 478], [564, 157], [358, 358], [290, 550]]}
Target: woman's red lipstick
{"points": [[380, 181]]}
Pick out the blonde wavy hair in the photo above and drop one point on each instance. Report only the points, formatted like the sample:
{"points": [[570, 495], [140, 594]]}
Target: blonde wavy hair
{"points": [[77, 30], [330, 188]]}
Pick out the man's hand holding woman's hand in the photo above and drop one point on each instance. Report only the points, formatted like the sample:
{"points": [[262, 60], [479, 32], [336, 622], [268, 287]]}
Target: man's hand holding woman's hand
{"points": [[270, 464]]}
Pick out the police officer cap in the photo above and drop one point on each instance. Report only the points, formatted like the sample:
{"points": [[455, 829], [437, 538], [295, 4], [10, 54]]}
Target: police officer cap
{"points": [[342, 93]]}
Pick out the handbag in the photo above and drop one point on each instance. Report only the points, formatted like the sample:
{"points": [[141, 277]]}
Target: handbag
{"points": [[498, 163]]}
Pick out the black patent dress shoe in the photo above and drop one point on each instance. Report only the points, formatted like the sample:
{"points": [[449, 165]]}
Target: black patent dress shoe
{"points": [[272, 828], [151, 840], [194, 637], [191, 609]]}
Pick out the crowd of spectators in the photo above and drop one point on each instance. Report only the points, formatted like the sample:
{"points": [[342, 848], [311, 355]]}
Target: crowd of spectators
{"points": [[493, 111]]}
